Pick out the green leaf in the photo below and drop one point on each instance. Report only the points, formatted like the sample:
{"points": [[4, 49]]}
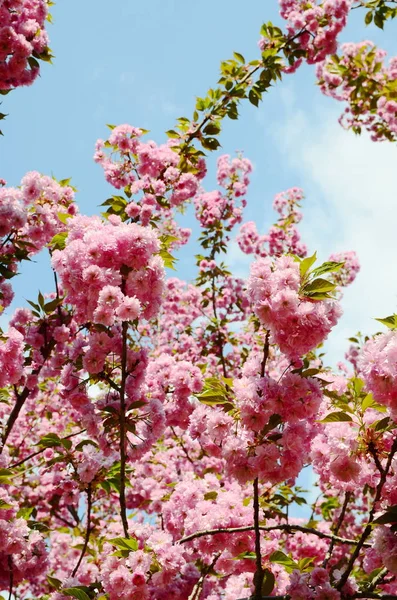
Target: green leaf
{"points": [[83, 443], [75, 592], [239, 57], [64, 183], [35, 306], [214, 392], [172, 134], [369, 402], [58, 242], [390, 322], [64, 217], [282, 559], [368, 18], [210, 143], [6, 476], [25, 513], [33, 63], [305, 564], [381, 425], [4, 505], [211, 495], [130, 544], [358, 385], [306, 263], [54, 582], [390, 516], [169, 260], [50, 306], [41, 299], [212, 128], [110, 126], [268, 582], [253, 98], [50, 440], [378, 20], [318, 285], [336, 417], [327, 267]]}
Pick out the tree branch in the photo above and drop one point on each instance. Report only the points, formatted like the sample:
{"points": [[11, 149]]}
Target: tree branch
{"points": [[284, 527], [20, 462], [87, 532], [196, 592], [367, 531], [337, 528], [123, 507]]}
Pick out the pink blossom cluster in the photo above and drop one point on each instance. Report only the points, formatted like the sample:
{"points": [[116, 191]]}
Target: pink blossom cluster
{"points": [[211, 207], [233, 174], [335, 457], [283, 237], [32, 210], [385, 546], [262, 449], [110, 271], [312, 586], [147, 171], [314, 26], [351, 267], [11, 358], [21, 548], [91, 461], [158, 568], [22, 37], [298, 324], [179, 311], [29, 220], [173, 382], [378, 367], [374, 108]]}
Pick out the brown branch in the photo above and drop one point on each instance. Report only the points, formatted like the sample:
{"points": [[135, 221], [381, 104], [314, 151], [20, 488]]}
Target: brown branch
{"points": [[123, 434], [182, 445], [284, 527], [337, 528], [11, 567], [377, 580], [367, 531], [22, 397], [110, 381], [258, 576], [20, 462], [196, 592], [87, 532], [373, 452], [265, 354]]}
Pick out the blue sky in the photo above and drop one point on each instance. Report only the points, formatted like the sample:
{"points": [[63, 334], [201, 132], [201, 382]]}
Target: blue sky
{"points": [[143, 63]]}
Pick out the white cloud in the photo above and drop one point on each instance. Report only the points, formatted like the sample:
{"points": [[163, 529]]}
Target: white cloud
{"points": [[350, 184]]}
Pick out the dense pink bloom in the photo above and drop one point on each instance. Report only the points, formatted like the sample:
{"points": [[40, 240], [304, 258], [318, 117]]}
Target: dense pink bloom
{"points": [[22, 34], [374, 108], [297, 324], [378, 365]]}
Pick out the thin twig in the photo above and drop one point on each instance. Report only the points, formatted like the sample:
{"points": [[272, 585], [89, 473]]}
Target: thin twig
{"points": [[123, 507], [87, 531], [258, 577], [196, 592], [282, 527], [367, 531], [182, 445], [20, 462], [373, 452], [10, 566], [337, 528]]}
